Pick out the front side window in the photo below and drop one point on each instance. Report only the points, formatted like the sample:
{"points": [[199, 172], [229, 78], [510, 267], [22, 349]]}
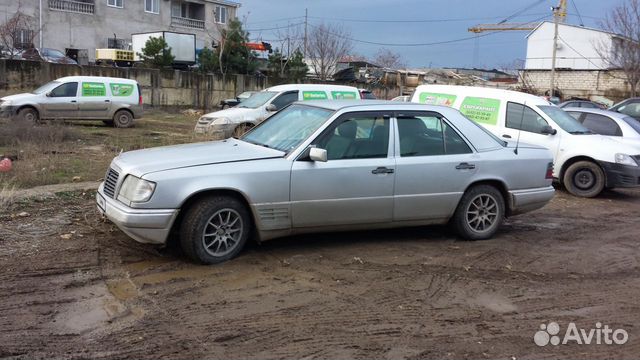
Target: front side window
{"points": [[601, 124], [152, 6], [221, 14], [65, 90], [524, 118], [564, 120], [285, 99], [631, 109], [115, 3], [428, 135], [258, 99], [356, 136]]}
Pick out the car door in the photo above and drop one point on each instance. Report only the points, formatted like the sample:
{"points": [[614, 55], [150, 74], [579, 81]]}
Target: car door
{"points": [[434, 166], [94, 101], [61, 102], [525, 124], [355, 184]]}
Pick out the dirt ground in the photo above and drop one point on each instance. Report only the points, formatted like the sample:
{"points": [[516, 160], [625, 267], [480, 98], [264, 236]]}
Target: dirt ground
{"points": [[73, 286]]}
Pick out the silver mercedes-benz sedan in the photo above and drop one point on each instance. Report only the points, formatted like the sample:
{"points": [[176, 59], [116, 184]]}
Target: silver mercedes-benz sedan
{"points": [[326, 166]]}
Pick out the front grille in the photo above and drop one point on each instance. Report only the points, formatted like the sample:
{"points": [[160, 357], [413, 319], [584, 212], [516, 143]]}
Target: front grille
{"points": [[110, 182]]}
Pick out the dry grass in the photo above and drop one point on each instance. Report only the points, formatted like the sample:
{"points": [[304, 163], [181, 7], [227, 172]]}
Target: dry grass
{"points": [[6, 196], [56, 153]]}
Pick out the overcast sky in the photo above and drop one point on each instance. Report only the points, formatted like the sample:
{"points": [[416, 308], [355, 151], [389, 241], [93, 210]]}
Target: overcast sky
{"points": [[425, 21]]}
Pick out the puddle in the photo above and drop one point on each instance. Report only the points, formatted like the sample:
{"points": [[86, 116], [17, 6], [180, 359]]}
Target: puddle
{"points": [[494, 302]]}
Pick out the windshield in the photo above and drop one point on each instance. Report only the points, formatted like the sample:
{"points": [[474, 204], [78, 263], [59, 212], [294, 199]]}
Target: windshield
{"points": [[46, 87], [286, 129], [53, 53], [564, 120], [635, 124], [258, 99]]}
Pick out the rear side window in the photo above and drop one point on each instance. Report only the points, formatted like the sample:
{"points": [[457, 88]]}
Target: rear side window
{"points": [[601, 124], [314, 95], [428, 135], [121, 89], [524, 118]]}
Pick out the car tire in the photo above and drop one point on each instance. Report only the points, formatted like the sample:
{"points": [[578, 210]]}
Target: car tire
{"points": [[123, 119], [215, 229], [584, 179], [480, 213], [241, 129], [29, 115]]}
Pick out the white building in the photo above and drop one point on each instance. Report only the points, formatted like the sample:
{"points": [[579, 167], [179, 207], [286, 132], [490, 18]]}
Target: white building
{"points": [[577, 47]]}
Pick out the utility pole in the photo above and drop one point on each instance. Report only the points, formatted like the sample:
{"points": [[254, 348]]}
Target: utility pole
{"points": [[306, 17], [40, 24], [558, 12]]}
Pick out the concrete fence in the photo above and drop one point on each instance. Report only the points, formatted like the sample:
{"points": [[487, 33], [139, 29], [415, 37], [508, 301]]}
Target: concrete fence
{"points": [[160, 88]]}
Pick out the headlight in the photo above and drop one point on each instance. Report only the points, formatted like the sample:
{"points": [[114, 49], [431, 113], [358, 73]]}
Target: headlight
{"points": [[5, 102], [625, 159], [221, 121], [205, 120], [135, 189]]}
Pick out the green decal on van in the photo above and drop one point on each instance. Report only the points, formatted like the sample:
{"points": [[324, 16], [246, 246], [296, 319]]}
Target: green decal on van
{"points": [[314, 95], [121, 89], [346, 95], [481, 110], [93, 89], [437, 99]]}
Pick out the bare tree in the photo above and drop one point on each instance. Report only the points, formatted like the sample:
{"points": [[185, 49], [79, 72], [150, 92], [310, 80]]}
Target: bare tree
{"points": [[290, 42], [624, 53], [389, 59], [17, 33], [327, 44]]}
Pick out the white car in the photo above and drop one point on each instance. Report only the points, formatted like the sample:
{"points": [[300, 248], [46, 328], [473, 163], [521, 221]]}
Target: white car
{"points": [[612, 124]]}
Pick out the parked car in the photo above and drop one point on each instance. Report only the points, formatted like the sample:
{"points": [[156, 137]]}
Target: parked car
{"points": [[629, 107], [615, 125], [115, 101], [585, 163], [235, 121], [325, 166], [228, 103], [47, 55], [581, 104], [366, 94], [402, 98]]}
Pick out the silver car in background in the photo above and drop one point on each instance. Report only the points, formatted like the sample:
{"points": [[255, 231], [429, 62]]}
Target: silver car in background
{"points": [[326, 166]]}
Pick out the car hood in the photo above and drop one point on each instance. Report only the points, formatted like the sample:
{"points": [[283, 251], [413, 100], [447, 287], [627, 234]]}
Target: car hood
{"points": [[234, 113], [141, 162], [19, 97]]}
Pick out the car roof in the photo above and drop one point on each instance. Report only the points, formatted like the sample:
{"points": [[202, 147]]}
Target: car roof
{"points": [[372, 105], [303, 87], [608, 113], [479, 91], [96, 78]]}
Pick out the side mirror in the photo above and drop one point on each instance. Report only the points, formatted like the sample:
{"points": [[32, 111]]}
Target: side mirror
{"points": [[548, 130], [271, 108], [317, 154], [48, 94]]}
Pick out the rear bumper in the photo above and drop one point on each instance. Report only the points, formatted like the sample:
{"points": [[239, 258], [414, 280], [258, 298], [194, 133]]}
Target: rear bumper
{"points": [[619, 175], [523, 201], [149, 226]]}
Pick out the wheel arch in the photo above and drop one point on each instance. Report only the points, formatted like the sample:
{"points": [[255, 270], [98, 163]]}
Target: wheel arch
{"points": [[501, 186], [29, 106], [574, 160], [120, 109]]}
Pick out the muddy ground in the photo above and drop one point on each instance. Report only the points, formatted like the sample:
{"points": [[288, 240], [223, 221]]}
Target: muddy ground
{"points": [[73, 286]]}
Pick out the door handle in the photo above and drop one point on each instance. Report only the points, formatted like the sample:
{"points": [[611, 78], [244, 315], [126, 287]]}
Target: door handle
{"points": [[506, 136], [382, 170], [107, 101], [73, 101], [465, 166]]}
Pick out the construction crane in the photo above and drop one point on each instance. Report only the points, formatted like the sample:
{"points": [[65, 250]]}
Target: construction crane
{"points": [[559, 12]]}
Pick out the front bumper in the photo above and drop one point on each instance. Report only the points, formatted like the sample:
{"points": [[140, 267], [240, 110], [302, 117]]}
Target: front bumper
{"points": [[619, 175], [149, 226], [216, 131], [523, 201], [7, 111]]}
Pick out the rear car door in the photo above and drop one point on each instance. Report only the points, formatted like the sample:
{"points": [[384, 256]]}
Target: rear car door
{"points": [[355, 184], [61, 102], [94, 101], [434, 166]]}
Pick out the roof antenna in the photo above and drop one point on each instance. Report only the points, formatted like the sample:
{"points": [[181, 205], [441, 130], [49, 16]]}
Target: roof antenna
{"points": [[524, 106]]}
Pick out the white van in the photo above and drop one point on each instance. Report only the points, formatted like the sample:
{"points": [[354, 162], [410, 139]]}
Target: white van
{"points": [[585, 163], [250, 112], [115, 101]]}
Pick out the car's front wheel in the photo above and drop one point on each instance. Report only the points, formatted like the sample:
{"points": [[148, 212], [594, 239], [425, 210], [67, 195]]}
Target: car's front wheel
{"points": [[584, 179], [215, 229], [29, 115], [480, 213]]}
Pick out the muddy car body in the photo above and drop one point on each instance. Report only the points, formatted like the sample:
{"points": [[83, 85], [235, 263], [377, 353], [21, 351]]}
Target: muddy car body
{"points": [[338, 166]]}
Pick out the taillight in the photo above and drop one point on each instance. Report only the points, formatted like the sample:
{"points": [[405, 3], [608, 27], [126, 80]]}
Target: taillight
{"points": [[139, 95], [549, 174]]}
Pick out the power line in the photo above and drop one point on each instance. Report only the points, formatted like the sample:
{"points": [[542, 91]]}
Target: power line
{"points": [[400, 21], [275, 20], [577, 12], [535, 3], [277, 28]]}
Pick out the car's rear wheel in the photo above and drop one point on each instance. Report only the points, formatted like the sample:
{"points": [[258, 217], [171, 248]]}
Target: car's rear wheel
{"points": [[215, 229], [480, 213], [584, 179], [30, 115], [123, 119]]}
